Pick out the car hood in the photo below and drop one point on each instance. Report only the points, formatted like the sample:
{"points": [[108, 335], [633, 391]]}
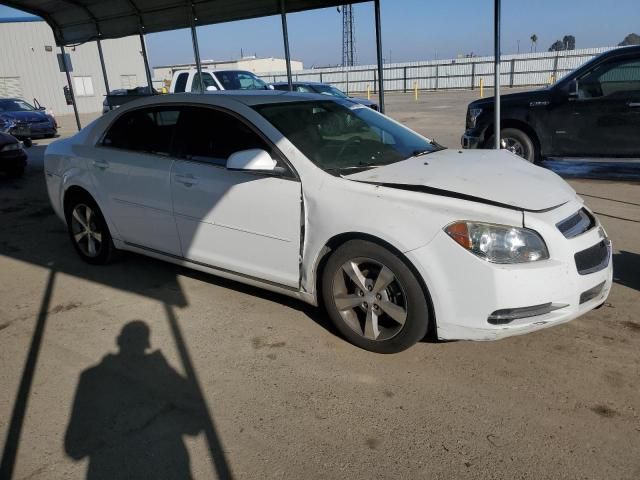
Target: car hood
{"points": [[363, 101], [527, 97], [24, 116], [487, 176]]}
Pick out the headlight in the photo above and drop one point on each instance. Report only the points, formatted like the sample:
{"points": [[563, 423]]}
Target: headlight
{"points": [[11, 147], [6, 125], [472, 117], [499, 243]]}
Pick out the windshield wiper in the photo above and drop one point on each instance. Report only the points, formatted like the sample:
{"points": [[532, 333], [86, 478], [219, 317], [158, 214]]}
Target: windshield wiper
{"points": [[360, 167]]}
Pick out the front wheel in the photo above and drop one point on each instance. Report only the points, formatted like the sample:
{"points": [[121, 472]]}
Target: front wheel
{"points": [[89, 232], [518, 142], [373, 298]]}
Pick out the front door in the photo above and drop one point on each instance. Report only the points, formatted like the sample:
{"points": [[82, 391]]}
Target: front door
{"points": [[132, 171], [603, 120], [247, 223]]}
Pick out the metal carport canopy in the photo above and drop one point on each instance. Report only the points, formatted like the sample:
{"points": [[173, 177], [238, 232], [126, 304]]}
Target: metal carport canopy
{"points": [[79, 21]]}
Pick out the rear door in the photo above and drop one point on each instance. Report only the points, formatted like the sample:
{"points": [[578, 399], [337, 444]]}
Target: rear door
{"points": [[248, 223], [604, 119], [132, 171]]}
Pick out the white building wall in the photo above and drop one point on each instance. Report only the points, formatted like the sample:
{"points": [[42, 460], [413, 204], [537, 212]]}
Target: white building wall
{"points": [[23, 54]]}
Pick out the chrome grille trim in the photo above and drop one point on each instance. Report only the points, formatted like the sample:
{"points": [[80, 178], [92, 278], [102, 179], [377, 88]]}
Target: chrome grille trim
{"points": [[577, 224]]}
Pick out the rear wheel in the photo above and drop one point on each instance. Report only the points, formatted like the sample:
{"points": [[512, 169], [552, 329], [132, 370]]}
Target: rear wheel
{"points": [[374, 298], [89, 232]]}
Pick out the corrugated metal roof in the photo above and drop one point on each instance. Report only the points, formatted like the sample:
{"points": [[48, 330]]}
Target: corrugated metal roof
{"points": [[78, 21]]}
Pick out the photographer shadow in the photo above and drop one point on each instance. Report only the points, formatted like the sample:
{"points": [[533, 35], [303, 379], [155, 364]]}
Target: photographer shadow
{"points": [[131, 412]]}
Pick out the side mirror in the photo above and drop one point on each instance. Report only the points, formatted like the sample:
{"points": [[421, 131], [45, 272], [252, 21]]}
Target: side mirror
{"points": [[212, 88], [255, 160]]}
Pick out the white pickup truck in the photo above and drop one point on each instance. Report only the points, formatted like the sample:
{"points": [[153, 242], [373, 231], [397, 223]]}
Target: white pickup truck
{"points": [[212, 80]]}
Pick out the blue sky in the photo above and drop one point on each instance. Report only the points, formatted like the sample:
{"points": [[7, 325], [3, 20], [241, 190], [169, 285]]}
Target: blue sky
{"points": [[411, 30]]}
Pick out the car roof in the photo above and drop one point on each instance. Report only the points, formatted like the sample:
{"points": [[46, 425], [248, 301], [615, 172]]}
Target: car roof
{"points": [[245, 97], [211, 70], [298, 82]]}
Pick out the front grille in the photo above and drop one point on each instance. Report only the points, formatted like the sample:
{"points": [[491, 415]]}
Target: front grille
{"points": [[578, 223], [593, 259]]}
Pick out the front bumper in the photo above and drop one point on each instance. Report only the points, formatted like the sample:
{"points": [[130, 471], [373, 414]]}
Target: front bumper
{"points": [[470, 141], [12, 160], [466, 290]]}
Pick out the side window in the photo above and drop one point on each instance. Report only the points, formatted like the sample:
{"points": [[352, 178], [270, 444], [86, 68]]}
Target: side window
{"points": [[208, 135], [207, 80], [181, 82], [147, 130], [616, 79], [303, 89]]}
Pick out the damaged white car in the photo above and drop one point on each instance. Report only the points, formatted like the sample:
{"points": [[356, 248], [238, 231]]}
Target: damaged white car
{"points": [[334, 203]]}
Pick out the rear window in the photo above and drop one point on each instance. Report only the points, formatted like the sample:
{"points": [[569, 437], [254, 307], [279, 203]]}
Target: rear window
{"points": [[181, 82], [148, 130]]}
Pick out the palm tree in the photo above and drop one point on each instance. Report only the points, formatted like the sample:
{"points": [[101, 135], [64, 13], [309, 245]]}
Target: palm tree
{"points": [[534, 42]]}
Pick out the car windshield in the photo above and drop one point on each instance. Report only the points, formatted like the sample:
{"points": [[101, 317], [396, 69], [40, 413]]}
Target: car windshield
{"points": [[329, 90], [240, 81], [15, 105], [341, 137]]}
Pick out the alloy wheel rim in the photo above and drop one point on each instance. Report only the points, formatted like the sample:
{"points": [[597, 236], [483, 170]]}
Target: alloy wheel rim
{"points": [[514, 146], [370, 299], [85, 231]]}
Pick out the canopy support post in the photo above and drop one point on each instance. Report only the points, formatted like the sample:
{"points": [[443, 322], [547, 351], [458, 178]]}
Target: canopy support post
{"points": [[285, 37], [376, 4], [104, 71], [496, 73], [146, 60], [73, 96], [196, 49]]}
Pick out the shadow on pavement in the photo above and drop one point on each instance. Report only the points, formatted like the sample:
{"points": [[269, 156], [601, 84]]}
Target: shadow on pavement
{"points": [[626, 269], [131, 411]]}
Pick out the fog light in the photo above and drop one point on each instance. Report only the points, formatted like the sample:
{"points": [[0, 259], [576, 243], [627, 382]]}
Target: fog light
{"points": [[508, 315], [591, 293]]}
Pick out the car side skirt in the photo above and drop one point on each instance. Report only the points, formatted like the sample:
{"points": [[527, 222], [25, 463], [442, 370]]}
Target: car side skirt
{"points": [[220, 272]]}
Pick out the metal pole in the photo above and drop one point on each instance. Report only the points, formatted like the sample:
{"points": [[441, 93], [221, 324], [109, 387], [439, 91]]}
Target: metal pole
{"points": [[376, 5], [73, 97], [196, 49], [146, 61], [285, 36], [104, 70], [496, 73]]}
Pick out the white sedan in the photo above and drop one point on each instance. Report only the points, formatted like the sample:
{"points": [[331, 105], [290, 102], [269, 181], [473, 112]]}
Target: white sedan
{"points": [[331, 202]]}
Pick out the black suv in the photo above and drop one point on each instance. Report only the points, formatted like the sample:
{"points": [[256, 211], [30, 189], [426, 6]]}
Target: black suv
{"points": [[593, 112]]}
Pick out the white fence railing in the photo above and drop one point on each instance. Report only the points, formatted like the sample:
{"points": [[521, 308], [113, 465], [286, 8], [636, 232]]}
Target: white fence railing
{"points": [[524, 69]]}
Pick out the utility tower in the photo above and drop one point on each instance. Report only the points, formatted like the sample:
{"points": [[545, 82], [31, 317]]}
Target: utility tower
{"points": [[348, 44]]}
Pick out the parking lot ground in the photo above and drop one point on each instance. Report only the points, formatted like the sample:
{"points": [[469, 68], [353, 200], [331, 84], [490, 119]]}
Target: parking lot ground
{"points": [[241, 383]]}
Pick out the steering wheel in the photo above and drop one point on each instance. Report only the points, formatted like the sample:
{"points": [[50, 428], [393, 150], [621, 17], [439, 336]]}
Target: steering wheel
{"points": [[349, 143]]}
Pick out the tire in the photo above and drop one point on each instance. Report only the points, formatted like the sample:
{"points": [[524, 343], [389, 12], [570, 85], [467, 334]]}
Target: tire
{"points": [[382, 320], [78, 218], [519, 143]]}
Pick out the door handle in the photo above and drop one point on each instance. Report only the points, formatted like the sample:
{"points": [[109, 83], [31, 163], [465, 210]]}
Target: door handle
{"points": [[100, 164], [187, 180], [633, 104]]}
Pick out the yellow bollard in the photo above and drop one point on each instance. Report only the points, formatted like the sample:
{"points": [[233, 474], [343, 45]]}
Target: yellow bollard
{"points": [[368, 92], [482, 88], [551, 79], [415, 90]]}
